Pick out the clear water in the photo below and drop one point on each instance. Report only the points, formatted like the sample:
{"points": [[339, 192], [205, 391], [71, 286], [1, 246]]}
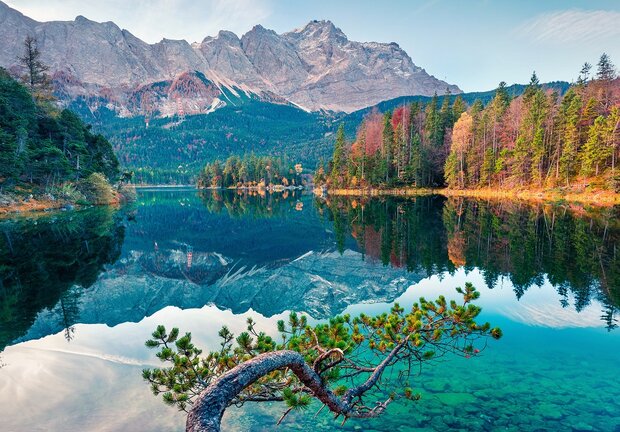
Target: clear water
{"points": [[81, 291]]}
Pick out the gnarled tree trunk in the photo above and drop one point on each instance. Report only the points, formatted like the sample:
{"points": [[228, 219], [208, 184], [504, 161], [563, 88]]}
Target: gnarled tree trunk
{"points": [[206, 413]]}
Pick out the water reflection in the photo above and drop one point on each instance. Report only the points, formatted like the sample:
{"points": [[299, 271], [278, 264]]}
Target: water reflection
{"points": [[574, 249], [269, 253], [46, 262], [199, 260]]}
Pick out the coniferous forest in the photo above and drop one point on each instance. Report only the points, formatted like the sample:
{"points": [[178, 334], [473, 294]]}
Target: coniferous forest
{"points": [[537, 140], [45, 149], [44, 146]]}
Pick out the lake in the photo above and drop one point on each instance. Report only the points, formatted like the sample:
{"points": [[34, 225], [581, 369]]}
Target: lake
{"points": [[81, 291]]}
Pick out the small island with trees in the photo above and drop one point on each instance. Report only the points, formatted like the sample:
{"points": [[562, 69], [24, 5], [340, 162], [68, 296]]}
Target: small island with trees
{"points": [[251, 172]]}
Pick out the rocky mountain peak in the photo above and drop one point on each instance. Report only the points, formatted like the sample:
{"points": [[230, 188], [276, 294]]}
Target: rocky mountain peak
{"points": [[319, 30], [258, 31], [228, 36], [316, 67], [9, 15]]}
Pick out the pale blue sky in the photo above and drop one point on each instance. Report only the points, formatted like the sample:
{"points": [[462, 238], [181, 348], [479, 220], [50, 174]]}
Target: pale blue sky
{"points": [[471, 43]]}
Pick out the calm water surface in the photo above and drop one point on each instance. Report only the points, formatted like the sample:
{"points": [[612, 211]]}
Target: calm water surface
{"points": [[81, 291]]}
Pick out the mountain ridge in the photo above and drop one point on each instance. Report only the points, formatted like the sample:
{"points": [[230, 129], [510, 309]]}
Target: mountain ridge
{"points": [[315, 67]]}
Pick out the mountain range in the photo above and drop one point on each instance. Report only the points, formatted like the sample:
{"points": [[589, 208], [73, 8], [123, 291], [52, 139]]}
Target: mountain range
{"points": [[315, 67], [171, 106]]}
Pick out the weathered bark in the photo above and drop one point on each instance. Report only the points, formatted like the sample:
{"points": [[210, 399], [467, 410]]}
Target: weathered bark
{"points": [[207, 412]]}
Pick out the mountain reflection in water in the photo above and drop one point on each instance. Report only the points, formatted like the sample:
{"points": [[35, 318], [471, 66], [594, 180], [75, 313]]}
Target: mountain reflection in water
{"points": [[276, 252]]}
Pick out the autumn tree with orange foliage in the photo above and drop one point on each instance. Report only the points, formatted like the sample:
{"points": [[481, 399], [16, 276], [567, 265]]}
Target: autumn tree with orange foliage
{"points": [[539, 139]]}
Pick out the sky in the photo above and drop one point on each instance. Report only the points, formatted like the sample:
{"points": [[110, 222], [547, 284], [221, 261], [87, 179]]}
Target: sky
{"points": [[474, 44]]}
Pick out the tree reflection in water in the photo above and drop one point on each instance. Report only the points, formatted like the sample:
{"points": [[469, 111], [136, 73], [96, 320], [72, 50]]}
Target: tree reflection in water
{"points": [[576, 250], [45, 263]]}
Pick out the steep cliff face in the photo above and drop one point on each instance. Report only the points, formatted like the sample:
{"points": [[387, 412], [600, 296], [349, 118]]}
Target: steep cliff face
{"points": [[315, 67], [345, 75]]}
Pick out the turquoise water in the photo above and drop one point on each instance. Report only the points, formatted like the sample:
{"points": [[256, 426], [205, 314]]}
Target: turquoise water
{"points": [[81, 291]]}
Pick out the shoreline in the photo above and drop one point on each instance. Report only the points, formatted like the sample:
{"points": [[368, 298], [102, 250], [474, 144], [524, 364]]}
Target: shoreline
{"points": [[33, 206], [598, 198], [254, 188], [41, 204], [163, 186]]}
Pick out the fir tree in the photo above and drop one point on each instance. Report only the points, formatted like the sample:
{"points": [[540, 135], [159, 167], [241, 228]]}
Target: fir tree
{"points": [[584, 74], [594, 151], [339, 158], [532, 87], [388, 147], [570, 148], [36, 78], [605, 69]]}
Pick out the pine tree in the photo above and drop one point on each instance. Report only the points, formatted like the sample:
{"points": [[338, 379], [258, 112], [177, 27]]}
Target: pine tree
{"points": [[587, 117], [36, 78], [532, 88], [568, 159], [613, 141], [605, 69], [594, 151], [339, 158], [452, 171], [388, 147], [447, 118], [520, 162], [584, 74], [402, 144], [433, 123], [415, 168], [605, 74], [458, 108], [363, 157], [487, 169], [499, 105]]}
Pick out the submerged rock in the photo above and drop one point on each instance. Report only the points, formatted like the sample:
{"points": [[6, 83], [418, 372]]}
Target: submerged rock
{"points": [[454, 399]]}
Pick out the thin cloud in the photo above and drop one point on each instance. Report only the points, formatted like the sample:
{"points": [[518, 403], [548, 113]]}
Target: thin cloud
{"points": [[571, 26], [152, 20]]}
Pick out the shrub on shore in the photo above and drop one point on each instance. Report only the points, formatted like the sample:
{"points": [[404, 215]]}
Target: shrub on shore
{"points": [[97, 190]]}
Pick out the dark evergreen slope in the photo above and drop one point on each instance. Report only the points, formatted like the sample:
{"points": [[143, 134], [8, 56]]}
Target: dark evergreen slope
{"points": [[43, 146], [173, 150]]}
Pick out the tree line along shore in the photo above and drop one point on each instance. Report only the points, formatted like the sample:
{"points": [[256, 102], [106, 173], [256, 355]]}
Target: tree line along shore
{"points": [[541, 144]]}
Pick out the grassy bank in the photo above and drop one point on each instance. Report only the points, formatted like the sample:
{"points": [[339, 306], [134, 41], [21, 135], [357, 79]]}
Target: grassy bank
{"points": [[595, 197], [11, 205], [94, 190]]}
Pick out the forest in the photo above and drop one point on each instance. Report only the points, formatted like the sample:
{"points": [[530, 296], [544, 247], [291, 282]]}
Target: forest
{"points": [[44, 146], [250, 171], [46, 150], [539, 139], [174, 150]]}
